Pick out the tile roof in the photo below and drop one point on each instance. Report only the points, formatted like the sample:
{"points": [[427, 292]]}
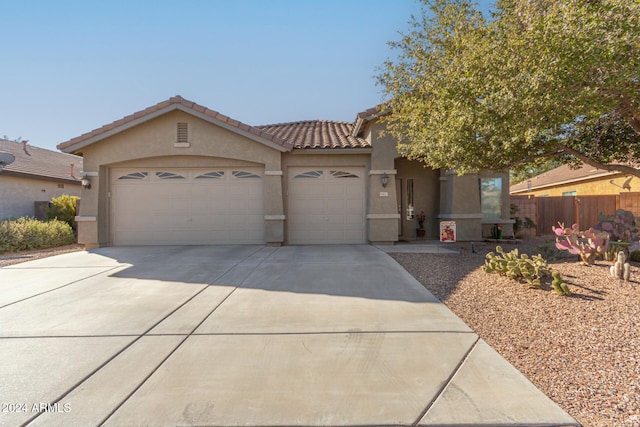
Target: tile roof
{"points": [[561, 175], [172, 102], [317, 134], [40, 162]]}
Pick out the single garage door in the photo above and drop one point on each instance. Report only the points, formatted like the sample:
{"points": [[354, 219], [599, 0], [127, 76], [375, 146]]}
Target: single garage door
{"points": [[326, 205], [168, 206]]}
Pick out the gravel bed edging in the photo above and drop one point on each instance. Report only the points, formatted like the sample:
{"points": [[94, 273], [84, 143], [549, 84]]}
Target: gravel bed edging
{"points": [[582, 351], [12, 258]]}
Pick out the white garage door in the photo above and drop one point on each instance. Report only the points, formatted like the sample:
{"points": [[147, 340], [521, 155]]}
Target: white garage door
{"points": [[326, 205], [187, 206]]}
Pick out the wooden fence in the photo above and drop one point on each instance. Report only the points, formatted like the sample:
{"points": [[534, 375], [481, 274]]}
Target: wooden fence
{"points": [[581, 210]]}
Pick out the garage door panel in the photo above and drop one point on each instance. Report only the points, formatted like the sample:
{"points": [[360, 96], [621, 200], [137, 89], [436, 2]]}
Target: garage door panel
{"points": [[354, 219], [335, 191], [336, 205], [205, 206]]}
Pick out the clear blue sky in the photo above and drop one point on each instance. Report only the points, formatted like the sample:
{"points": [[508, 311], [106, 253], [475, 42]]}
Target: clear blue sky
{"points": [[69, 67]]}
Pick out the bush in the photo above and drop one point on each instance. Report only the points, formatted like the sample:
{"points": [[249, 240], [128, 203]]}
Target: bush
{"points": [[63, 208], [28, 233]]}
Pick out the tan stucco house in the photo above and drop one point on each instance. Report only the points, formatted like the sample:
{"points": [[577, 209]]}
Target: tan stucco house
{"points": [[35, 176], [180, 173]]}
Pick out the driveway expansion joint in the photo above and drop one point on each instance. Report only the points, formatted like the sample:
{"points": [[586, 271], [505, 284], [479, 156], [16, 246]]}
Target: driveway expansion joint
{"points": [[446, 383]]}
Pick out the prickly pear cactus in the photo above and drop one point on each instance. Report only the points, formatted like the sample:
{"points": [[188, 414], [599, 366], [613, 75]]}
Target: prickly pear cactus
{"points": [[558, 285], [509, 264], [589, 244]]}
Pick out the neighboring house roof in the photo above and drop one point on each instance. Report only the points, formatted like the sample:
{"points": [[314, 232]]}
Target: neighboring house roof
{"points": [[560, 176], [317, 134], [40, 163], [173, 103]]}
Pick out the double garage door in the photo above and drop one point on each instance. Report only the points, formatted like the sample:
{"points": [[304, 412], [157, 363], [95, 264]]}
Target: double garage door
{"points": [[166, 206], [171, 206]]}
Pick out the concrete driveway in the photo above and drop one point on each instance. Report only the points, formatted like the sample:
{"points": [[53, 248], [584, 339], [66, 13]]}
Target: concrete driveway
{"points": [[245, 335]]}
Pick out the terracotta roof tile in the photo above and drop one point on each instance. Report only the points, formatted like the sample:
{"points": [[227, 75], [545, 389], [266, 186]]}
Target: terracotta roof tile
{"points": [[164, 104], [316, 134], [40, 162]]}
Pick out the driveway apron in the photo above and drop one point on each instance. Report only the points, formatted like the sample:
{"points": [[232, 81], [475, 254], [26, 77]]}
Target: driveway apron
{"points": [[245, 335]]}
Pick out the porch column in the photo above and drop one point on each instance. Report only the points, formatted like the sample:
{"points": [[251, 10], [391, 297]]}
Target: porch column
{"points": [[273, 208], [383, 215]]}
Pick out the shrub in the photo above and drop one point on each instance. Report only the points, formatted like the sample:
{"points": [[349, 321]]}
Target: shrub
{"points": [[63, 208], [28, 233]]}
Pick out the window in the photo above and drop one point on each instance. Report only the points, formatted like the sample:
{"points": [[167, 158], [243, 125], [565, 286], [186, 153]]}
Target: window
{"points": [[168, 175], [211, 175], [135, 175], [244, 174], [309, 174], [491, 197], [569, 193], [343, 174], [410, 212]]}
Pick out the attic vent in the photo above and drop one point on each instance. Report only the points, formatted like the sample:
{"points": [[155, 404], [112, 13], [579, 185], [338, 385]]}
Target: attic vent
{"points": [[183, 133]]}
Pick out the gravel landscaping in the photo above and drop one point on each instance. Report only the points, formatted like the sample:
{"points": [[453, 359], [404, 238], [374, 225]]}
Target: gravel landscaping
{"points": [[583, 351], [11, 258]]}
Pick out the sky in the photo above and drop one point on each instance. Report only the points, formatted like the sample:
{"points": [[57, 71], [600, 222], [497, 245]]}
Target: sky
{"points": [[69, 67]]}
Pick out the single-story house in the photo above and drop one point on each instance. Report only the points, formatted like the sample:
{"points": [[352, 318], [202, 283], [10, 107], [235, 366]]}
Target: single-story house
{"points": [[584, 181], [180, 173], [36, 175]]}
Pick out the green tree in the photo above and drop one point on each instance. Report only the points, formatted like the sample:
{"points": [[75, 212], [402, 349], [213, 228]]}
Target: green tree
{"points": [[539, 79]]}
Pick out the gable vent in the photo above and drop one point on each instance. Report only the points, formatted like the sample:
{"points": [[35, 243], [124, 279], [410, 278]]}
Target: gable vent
{"points": [[183, 133]]}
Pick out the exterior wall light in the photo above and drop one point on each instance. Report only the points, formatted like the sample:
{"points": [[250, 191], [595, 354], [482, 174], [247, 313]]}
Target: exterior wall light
{"points": [[384, 180], [86, 182]]}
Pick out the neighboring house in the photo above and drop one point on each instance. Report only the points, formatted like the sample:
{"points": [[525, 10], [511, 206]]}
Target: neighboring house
{"points": [[585, 181], [179, 173], [36, 175]]}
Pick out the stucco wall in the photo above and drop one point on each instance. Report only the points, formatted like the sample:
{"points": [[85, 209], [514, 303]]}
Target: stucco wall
{"points": [[17, 195], [383, 201]]}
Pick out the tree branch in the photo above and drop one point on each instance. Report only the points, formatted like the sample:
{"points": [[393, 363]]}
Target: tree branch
{"points": [[626, 169]]}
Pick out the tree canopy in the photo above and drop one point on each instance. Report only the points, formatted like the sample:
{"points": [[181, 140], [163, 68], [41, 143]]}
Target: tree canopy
{"points": [[536, 79]]}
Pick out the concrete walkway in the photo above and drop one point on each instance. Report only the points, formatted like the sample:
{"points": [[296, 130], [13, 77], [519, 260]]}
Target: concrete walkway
{"points": [[245, 335]]}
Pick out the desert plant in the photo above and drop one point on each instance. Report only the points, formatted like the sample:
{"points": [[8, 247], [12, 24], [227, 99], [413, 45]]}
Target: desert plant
{"points": [[547, 249], [634, 256], [621, 226], [558, 284], [63, 208], [621, 269], [523, 267], [28, 233], [589, 244], [622, 230]]}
